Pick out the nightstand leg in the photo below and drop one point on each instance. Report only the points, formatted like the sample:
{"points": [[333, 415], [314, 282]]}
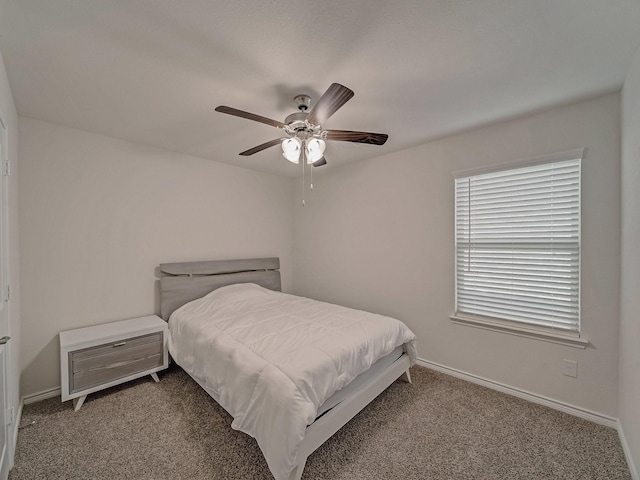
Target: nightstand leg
{"points": [[155, 377], [78, 401]]}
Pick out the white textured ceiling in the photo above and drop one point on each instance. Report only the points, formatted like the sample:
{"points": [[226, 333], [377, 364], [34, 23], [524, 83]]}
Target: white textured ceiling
{"points": [[152, 71]]}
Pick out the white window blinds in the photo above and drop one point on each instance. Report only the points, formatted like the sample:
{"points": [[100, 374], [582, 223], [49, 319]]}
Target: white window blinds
{"points": [[518, 245]]}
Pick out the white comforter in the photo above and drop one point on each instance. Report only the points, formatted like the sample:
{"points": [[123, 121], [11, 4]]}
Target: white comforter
{"points": [[272, 359]]}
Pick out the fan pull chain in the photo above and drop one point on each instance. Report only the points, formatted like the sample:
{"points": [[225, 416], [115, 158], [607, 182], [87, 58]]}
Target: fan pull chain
{"points": [[304, 160], [311, 184]]}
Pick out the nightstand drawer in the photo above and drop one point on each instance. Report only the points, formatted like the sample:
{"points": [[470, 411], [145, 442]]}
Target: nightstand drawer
{"points": [[105, 363], [120, 347], [91, 378]]}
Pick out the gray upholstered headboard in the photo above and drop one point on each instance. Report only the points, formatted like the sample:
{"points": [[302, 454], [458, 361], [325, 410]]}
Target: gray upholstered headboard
{"points": [[183, 282]]}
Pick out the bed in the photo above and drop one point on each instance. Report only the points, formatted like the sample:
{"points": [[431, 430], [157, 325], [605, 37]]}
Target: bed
{"points": [[289, 370]]}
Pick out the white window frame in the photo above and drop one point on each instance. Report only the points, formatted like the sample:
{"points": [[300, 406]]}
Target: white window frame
{"points": [[520, 328]]}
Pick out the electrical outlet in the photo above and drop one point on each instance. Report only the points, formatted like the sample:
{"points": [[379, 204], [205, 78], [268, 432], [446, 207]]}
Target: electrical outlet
{"points": [[570, 368]]}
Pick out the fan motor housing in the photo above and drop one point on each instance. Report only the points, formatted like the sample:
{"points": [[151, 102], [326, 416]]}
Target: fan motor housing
{"points": [[296, 121]]}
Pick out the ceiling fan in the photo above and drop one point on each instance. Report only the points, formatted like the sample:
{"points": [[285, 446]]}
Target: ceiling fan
{"points": [[306, 137]]}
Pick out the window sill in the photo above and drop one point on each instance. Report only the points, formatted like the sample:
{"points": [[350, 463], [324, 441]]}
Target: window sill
{"points": [[521, 331]]}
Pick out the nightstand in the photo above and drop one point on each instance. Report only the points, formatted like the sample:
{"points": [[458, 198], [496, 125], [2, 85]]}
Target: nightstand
{"points": [[101, 356]]}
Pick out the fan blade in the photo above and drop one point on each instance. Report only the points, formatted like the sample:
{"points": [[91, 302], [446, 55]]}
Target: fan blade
{"points": [[319, 163], [358, 137], [249, 116], [259, 148], [330, 101]]}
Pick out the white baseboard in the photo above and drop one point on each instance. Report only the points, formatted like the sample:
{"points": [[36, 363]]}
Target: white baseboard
{"points": [[16, 425], [627, 453], [516, 392], [36, 397], [14, 435]]}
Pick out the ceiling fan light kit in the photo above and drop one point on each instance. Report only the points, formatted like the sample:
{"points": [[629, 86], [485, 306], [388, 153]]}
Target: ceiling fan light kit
{"points": [[313, 148], [306, 136]]}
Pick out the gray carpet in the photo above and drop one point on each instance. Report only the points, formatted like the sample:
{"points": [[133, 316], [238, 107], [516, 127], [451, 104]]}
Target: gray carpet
{"points": [[437, 428]]}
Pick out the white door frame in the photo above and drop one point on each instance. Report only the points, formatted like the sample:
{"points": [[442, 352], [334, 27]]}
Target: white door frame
{"points": [[6, 412]]}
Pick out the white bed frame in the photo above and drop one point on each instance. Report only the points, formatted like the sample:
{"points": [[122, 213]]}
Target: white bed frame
{"points": [[184, 282]]}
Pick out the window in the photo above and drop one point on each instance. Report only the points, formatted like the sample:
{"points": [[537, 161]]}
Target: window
{"points": [[517, 239]]}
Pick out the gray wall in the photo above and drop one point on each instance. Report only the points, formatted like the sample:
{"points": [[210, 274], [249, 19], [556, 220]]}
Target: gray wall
{"points": [[379, 235], [630, 259], [97, 216]]}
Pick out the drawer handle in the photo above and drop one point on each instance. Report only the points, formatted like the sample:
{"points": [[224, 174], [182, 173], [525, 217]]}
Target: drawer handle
{"points": [[119, 344]]}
